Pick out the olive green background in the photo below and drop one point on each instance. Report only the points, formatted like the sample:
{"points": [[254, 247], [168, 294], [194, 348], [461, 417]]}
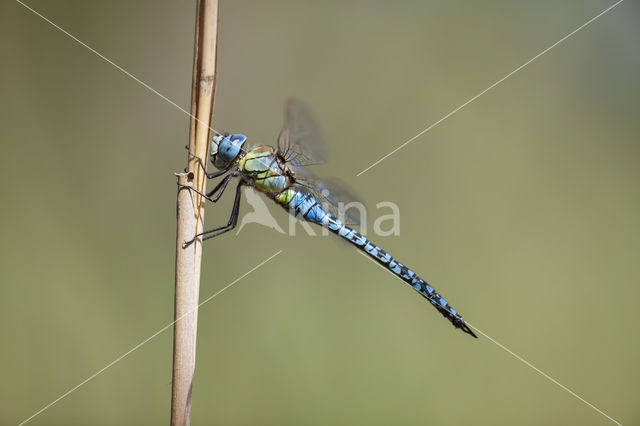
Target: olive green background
{"points": [[522, 209]]}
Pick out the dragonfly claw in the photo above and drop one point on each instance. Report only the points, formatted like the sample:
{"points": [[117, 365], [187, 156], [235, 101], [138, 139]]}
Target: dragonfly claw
{"points": [[189, 187], [188, 243], [191, 153]]}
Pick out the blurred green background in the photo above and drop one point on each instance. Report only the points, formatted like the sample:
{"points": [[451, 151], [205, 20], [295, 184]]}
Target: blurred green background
{"points": [[522, 209]]}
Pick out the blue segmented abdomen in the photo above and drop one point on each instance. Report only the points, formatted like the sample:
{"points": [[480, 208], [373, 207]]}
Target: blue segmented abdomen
{"points": [[305, 206]]}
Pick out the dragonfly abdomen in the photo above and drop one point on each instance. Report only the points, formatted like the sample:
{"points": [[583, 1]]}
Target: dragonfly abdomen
{"points": [[305, 206], [399, 270]]}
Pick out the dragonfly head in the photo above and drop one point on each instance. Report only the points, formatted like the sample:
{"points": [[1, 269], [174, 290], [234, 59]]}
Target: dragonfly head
{"points": [[226, 148]]}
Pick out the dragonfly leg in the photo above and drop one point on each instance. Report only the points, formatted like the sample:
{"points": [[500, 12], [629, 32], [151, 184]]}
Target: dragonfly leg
{"points": [[233, 220], [204, 169], [218, 190]]}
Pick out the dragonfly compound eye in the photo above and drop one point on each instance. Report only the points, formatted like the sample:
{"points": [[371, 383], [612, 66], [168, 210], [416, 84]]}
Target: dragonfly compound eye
{"points": [[228, 149]]}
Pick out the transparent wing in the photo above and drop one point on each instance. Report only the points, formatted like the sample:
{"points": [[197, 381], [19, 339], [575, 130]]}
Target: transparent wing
{"points": [[301, 141], [332, 195]]}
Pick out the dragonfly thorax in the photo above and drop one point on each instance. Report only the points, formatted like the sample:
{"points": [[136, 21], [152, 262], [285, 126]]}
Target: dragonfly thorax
{"points": [[226, 148]]}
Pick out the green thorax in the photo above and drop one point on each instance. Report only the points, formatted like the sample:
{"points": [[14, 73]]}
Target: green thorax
{"points": [[264, 170]]}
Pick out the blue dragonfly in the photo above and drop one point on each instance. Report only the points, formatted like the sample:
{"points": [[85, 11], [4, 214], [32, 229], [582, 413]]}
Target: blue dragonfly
{"points": [[281, 174]]}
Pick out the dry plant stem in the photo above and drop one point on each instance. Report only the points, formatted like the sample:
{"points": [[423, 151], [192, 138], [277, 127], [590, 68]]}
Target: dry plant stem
{"points": [[191, 213]]}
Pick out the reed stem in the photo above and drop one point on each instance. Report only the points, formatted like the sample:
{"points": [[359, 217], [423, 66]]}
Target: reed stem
{"points": [[190, 213]]}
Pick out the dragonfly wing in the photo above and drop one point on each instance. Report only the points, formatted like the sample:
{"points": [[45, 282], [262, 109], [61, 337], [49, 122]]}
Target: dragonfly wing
{"points": [[302, 144], [331, 193], [301, 140]]}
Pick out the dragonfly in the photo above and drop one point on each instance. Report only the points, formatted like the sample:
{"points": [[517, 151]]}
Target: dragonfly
{"points": [[282, 175]]}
